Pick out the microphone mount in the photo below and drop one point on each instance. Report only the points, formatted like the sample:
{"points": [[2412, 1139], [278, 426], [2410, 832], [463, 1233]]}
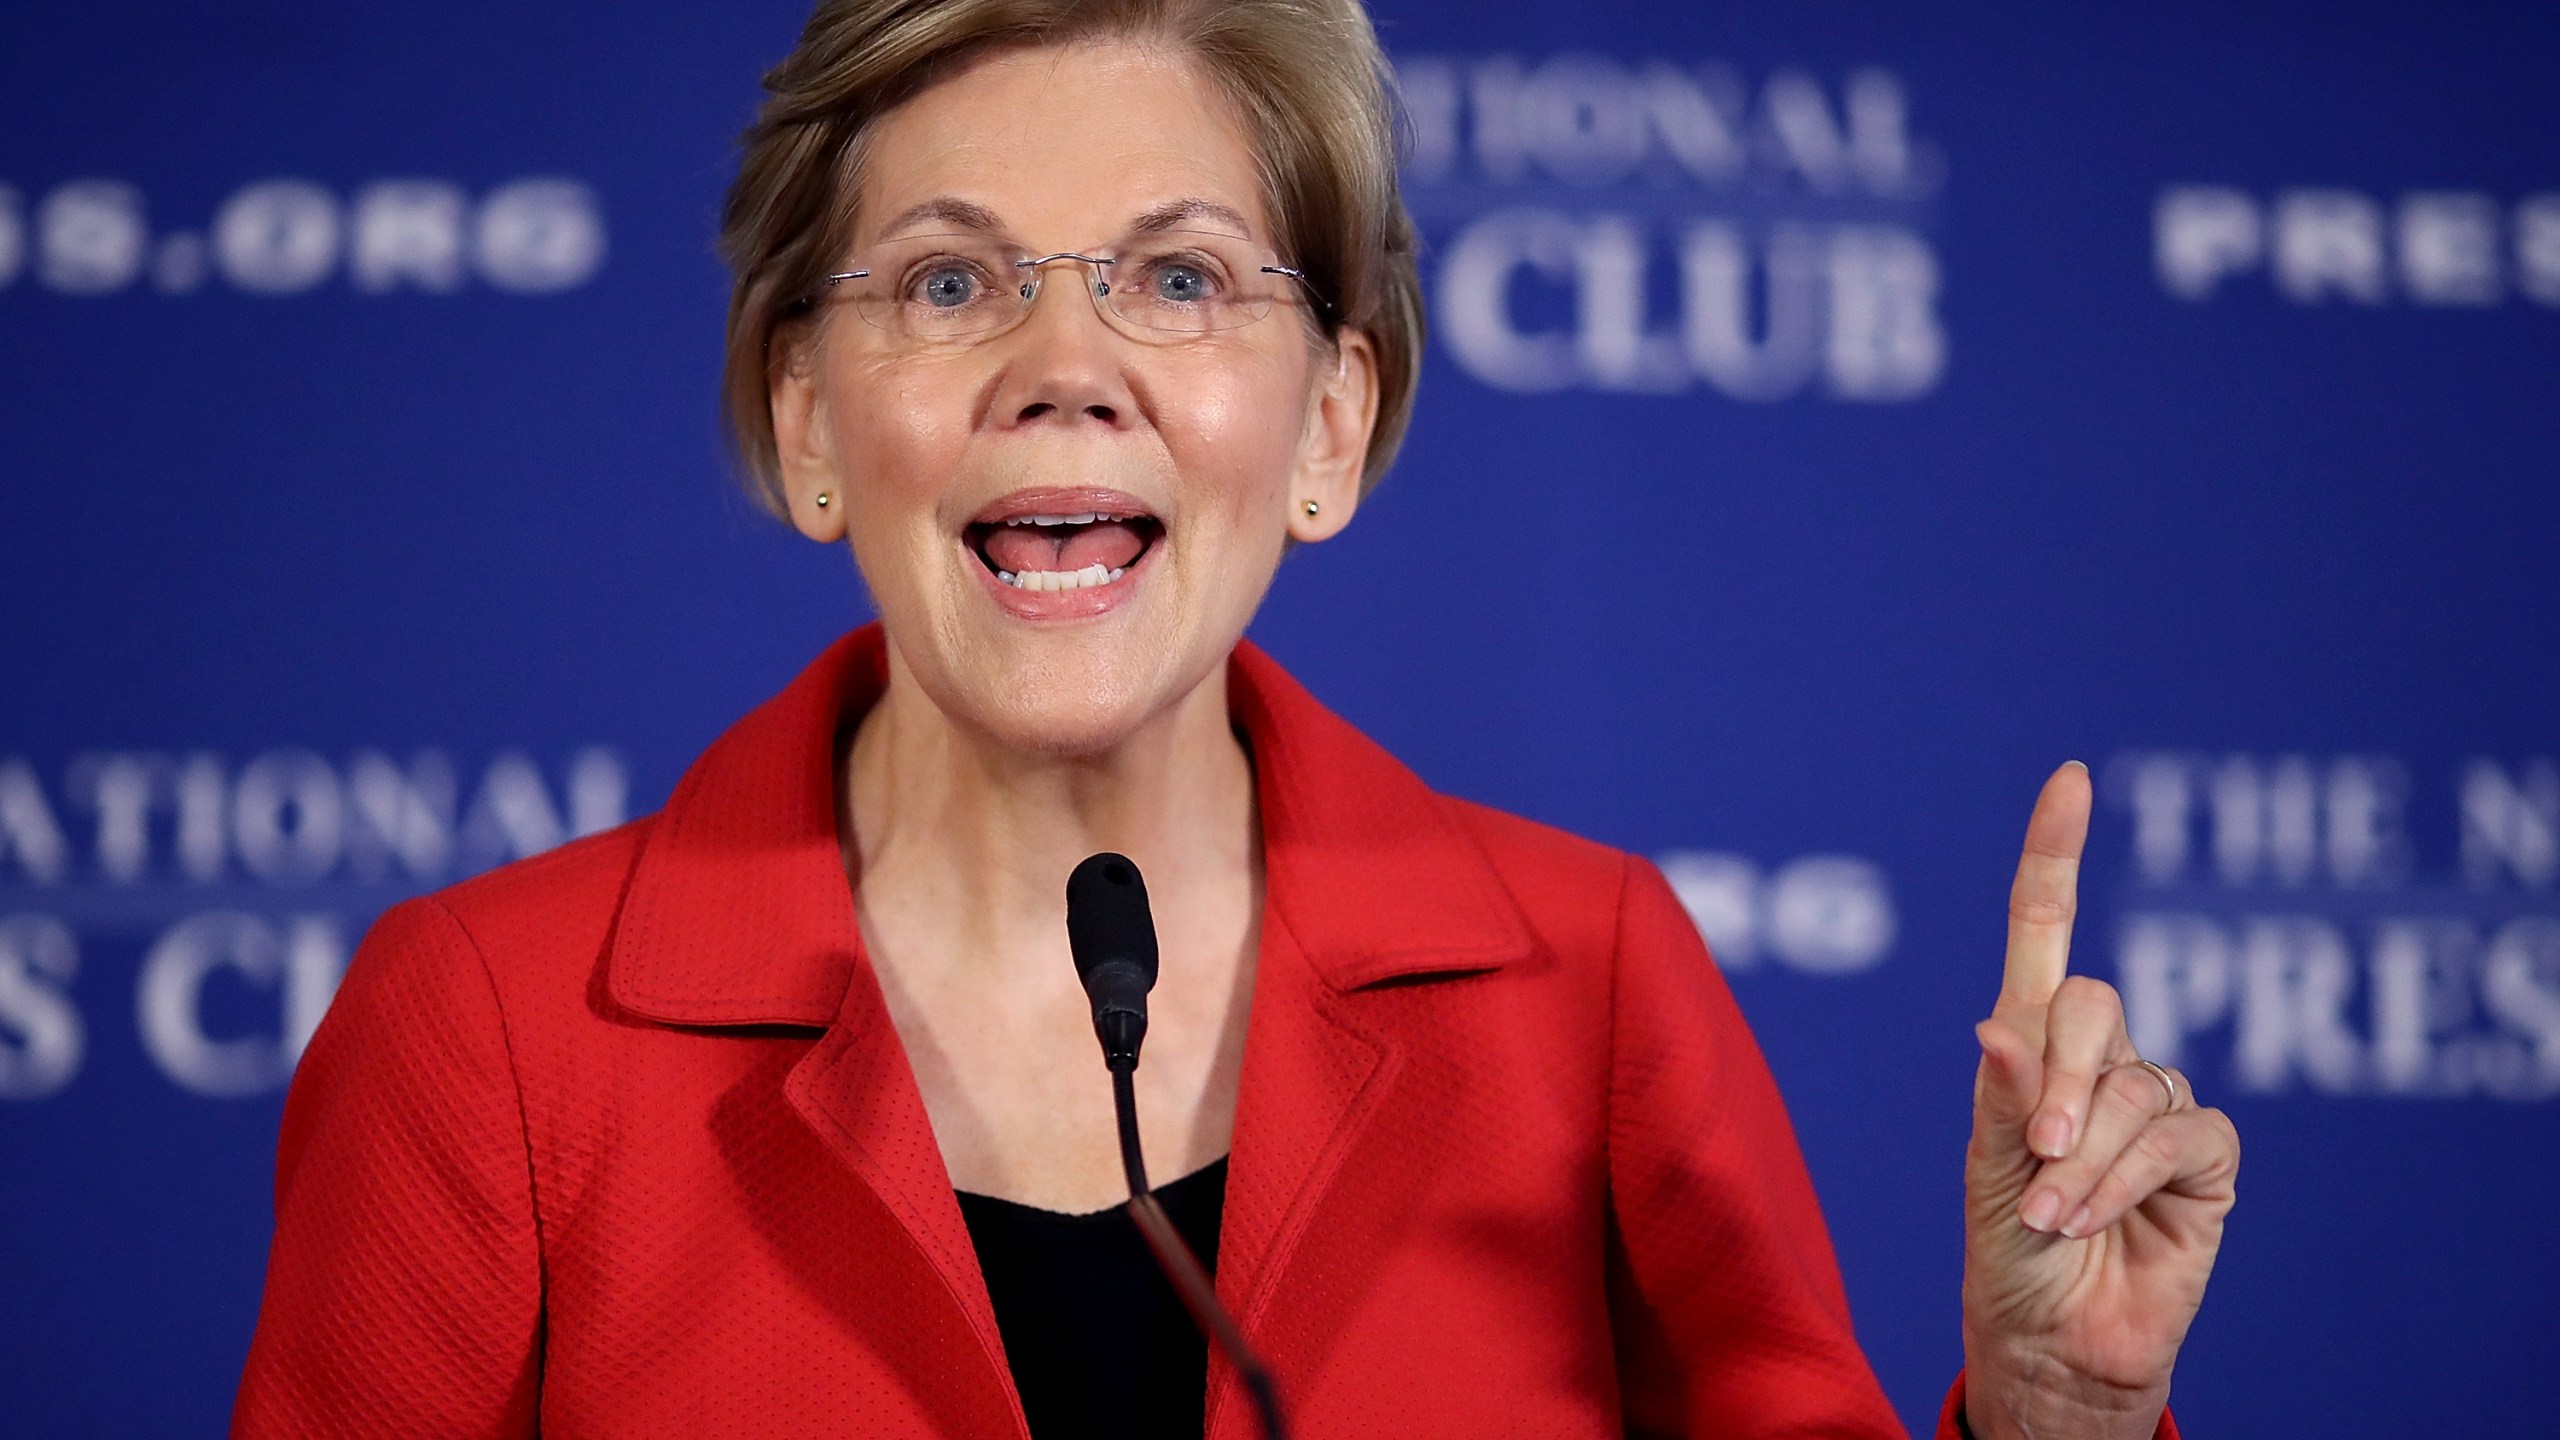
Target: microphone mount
{"points": [[1113, 936]]}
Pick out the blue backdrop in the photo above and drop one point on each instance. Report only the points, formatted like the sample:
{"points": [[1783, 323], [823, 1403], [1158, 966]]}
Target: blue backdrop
{"points": [[1837, 415]]}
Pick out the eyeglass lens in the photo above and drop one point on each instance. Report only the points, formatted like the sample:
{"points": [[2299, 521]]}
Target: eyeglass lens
{"points": [[1173, 282]]}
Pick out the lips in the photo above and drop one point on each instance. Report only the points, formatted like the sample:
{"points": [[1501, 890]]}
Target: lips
{"points": [[1051, 541]]}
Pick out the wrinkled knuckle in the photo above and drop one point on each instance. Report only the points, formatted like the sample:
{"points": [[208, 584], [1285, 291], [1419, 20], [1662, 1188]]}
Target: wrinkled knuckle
{"points": [[2157, 1148], [2129, 1093], [2040, 910], [2069, 1078], [2112, 1196], [2072, 1177]]}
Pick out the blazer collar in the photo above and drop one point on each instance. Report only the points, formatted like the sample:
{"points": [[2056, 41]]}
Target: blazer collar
{"points": [[739, 913], [1372, 873]]}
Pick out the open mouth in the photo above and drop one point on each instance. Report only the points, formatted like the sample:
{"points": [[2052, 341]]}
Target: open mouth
{"points": [[1073, 550]]}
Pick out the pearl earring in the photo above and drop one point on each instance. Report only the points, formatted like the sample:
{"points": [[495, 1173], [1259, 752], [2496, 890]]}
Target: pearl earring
{"points": [[1312, 508], [826, 498]]}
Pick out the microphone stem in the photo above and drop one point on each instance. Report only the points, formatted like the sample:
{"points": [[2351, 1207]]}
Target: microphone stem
{"points": [[1174, 1257], [1133, 1156]]}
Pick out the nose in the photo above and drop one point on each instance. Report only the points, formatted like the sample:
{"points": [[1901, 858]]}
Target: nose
{"points": [[1065, 362]]}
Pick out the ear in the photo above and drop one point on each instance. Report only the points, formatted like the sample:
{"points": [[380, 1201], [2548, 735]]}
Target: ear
{"points": [[1335, 447], [804, 444]]}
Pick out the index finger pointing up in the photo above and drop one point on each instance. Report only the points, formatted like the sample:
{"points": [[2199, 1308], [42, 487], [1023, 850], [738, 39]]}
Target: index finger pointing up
{"points": [[2043, 900]]}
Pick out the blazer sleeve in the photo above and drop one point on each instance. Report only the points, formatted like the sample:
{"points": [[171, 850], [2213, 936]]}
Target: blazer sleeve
{"points": [[1730, 1315], [1729, 1311], [404, 1292]]}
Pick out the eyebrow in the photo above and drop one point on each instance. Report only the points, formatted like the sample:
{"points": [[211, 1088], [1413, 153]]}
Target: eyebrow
{"points": [[946, 210], [959, 214], [1176, 215]]}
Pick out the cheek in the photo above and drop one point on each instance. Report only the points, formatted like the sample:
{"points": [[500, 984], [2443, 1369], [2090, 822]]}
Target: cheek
{"points": [[899, 434], [1239, 429], [898, 431]]}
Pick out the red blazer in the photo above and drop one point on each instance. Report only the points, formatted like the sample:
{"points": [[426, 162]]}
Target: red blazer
{"points": [[618, 1141]]}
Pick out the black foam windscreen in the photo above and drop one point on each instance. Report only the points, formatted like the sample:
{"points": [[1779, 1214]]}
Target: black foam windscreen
{"points": [[1108, 921]]}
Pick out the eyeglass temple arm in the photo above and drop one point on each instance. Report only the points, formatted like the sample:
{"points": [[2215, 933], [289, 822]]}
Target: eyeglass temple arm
{"points": [[1301, 277]]}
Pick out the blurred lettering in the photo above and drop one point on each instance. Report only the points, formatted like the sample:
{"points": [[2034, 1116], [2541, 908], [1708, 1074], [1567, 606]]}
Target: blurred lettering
{"points": [[538, 236], [2328, 242], [122, 790], [2282, 818], [2511, 824], [13, 236], [404, 815], [2538, 249], [1652, 227], [301, 963], [2458, 248], [2201, 233], [1725, 282], [2274, 912], [90, 237], [291, 236], [1817, 915], [2295, 980], [2419, 1005], [41, 1035], [409, 233], [288, 822], [292, 817], [2448, 245], [1592, 120], [277, 237], [198, 850], [29, 833], [1754, 317]]}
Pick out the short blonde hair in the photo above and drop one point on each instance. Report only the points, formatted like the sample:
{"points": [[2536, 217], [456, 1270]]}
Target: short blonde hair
{"points": [[1306, 76]]}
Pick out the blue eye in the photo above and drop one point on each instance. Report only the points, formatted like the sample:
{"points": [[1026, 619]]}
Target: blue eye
{"points": [[1181, 284], [948, 287]]}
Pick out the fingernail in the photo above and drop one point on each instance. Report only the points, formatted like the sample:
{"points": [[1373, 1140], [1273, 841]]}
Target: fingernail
{"points": [[2050, 1136], [2079, 1224], [2041, 1207], [2080, 765]]}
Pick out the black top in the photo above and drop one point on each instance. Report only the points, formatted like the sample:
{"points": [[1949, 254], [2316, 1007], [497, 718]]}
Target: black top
{"points": [[1099, 1344]]}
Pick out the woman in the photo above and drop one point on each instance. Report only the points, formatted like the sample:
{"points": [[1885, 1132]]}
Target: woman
{"points": [[779, 1112]]}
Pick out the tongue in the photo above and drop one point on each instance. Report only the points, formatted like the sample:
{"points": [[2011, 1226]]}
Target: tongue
{"points": [[1107, 543]]}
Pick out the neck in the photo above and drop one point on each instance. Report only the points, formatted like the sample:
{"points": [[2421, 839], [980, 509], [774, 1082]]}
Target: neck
{"points": [[952, 822]]}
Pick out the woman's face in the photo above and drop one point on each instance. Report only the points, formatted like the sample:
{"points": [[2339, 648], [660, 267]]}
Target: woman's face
{"points": [[1198, 456]]}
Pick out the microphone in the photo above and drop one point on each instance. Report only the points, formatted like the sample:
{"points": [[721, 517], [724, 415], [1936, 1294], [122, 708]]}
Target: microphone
{"points": [[1113, 937]]}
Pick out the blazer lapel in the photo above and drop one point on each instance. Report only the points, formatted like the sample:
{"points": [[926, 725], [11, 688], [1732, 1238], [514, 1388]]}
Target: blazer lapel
{"points": [[856, 1090], [1373, 896], [739, 914]]}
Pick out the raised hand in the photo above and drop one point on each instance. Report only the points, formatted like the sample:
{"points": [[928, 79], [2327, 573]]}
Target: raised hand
{"points": [[2095, 1187]]}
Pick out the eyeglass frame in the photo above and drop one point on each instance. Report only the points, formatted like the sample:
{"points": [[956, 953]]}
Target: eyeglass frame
{"points": [[1038, 265]]}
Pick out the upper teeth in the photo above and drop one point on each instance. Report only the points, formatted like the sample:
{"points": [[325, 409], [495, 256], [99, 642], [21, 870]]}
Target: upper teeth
{"points": [[1087, 518]]}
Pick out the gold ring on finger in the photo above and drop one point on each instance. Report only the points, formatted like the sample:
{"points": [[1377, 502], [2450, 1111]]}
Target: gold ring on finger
{"points": [[2168, 1082]]}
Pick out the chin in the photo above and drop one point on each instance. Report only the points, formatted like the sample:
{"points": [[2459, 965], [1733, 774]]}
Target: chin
{"points": [[1080, 705]]}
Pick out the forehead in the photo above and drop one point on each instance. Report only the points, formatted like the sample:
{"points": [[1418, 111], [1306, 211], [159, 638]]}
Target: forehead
{"points": [[1063, 145]]}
